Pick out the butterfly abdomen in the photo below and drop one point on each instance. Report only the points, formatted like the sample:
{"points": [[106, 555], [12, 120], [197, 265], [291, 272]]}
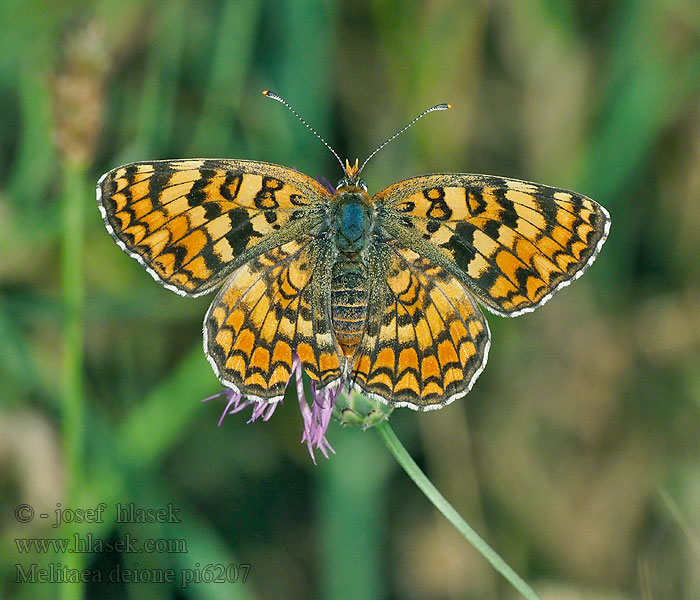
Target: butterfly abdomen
{"points": [[349, 303], [352, 223]]}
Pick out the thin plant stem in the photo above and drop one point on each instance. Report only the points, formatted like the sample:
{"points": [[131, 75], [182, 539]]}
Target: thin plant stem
{"points": [[72, 289], [680, 519], [421, 480]]}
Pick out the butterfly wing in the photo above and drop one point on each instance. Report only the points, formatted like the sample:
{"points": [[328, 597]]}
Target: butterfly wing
{"points": [[193, 222], [512, 243], [425, 341], [274, 305]]}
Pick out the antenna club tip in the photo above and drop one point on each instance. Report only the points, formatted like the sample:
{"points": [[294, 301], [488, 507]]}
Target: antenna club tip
{"points": [[271, 94], [447, 104]]}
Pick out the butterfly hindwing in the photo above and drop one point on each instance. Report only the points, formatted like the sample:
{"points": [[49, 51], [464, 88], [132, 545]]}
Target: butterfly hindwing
{"points": [[192, 222], [513, 243], [269, 309], [425, 341]]}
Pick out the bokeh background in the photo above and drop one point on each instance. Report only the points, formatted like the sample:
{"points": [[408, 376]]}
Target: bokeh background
{"points": [[576, 455]]}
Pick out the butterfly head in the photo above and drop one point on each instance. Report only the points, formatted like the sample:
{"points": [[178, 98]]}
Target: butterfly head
{"points": [[352, 176]]}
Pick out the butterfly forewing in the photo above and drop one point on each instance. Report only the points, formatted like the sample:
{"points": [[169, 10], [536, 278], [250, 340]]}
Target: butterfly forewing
{"points": [[192, 222], [513, 243]]}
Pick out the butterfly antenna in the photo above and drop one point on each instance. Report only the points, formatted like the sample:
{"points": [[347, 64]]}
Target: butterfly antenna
{"points": [[444, 106], [281, 100]]}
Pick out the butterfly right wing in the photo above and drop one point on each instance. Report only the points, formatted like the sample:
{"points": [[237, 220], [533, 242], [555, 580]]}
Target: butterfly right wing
{"points": [[191, 223]]}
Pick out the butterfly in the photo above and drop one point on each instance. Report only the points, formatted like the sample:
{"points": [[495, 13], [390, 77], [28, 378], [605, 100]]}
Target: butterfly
{"points": [[379, 292]]}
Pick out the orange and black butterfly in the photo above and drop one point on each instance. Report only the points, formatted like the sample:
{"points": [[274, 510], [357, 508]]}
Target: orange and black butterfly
{"points": [[377, 291]]}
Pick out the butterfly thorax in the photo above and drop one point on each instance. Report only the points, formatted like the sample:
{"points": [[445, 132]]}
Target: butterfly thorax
{"points": [[351, 226]]}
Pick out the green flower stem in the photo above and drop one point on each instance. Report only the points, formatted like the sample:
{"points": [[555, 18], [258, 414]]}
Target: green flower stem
{"points": [[72, 383], [420, 479]]}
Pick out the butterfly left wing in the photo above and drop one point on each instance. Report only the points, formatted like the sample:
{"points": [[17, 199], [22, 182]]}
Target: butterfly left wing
{"points": [[425, 341], [190, 223], [512, 243], [275, 305]]}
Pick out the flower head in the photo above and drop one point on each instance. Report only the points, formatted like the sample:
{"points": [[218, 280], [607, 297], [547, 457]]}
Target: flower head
{"points": [[316, 414]]}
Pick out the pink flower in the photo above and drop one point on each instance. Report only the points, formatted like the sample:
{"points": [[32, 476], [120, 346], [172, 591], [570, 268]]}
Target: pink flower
{"points": [[316, 416]]}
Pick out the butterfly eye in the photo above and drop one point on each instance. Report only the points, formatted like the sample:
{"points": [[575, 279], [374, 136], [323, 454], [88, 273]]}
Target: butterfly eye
{"points": [[345, 182]]}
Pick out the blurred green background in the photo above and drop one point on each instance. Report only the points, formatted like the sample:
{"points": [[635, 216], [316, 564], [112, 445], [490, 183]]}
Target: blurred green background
{"points": [[576, 455]]}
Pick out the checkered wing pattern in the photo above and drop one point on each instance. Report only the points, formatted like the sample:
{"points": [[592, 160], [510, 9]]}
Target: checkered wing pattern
{"points": [[273, 306], [191, 223], [513, 243], [426, 341]]}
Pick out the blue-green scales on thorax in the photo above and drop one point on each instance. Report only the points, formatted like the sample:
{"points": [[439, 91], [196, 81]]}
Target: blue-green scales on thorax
{"points": [[351, 226]]}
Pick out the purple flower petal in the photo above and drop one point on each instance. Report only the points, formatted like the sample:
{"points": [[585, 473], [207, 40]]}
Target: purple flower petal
{"points": [[326, 183], [264, 410], [316, 417]]}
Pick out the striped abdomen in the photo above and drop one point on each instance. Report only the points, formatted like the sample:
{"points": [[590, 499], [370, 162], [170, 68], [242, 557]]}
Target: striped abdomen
{"points": [[349, 303]]}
